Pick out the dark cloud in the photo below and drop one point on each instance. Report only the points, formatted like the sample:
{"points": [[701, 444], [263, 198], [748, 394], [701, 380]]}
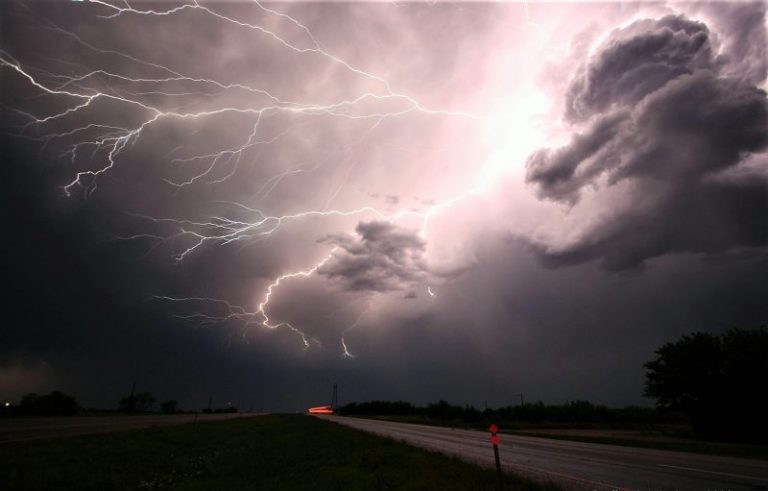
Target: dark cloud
{"points": [[554, 170], [383, 257], [695, 126], [637, 60], [744, 47], [662, 120]]}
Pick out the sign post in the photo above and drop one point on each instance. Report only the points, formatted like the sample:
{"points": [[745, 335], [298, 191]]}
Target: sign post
{"points": [[495, 442]]}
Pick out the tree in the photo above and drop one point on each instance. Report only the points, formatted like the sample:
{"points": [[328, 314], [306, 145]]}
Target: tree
{"points": [[141, 402], [169, 406], [54, 404], [717, 381]]}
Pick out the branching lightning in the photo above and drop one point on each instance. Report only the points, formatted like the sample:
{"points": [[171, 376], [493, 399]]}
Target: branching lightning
{"points": [[83, 89]]}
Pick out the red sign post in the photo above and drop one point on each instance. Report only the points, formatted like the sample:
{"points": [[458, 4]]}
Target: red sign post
{"points": [[495, 442]]}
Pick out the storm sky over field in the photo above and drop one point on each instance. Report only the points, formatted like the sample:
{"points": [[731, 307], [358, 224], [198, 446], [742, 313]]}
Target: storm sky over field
{"points": [[417, 201]]}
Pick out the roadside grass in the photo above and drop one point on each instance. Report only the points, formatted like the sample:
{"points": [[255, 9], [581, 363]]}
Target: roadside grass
{"points": [[659, 437], [272, 452]]}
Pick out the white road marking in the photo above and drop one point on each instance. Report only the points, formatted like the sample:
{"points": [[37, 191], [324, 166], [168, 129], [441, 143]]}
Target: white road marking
{"points": [[741, 476]]}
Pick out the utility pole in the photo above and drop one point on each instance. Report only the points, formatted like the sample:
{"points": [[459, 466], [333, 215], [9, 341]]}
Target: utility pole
{"points": [[522, 403], [335, 397]]}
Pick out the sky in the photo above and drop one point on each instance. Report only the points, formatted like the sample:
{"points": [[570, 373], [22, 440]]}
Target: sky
{"points": [[415, 200]]}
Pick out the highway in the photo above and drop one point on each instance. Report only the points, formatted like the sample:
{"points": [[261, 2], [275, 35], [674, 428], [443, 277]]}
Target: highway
{"points": [[23, 429], [577, 465]]}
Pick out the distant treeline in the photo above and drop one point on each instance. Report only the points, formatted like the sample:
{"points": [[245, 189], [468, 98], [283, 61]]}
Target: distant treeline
{"points": [[60, 404], [53, 404], [570, 412]]}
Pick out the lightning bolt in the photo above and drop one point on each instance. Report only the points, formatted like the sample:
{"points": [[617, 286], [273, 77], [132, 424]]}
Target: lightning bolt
{"points": [[85, 88], [345, 349], [270, 289], [528, 17]]}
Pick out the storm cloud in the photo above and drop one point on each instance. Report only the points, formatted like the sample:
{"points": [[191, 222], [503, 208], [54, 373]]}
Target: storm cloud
{"points": [[636, 61], [382, 258], [671, 147]]}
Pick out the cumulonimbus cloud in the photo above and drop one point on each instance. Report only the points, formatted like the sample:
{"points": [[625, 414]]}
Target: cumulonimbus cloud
{"points": [[638, 60], [659, 110], [382, 257]]}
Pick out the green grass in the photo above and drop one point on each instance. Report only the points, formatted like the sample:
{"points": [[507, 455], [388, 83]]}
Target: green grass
{"points": [[275, 452]]}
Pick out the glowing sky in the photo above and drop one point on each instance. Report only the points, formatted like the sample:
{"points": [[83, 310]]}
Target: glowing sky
{"points": [[417, 200]]}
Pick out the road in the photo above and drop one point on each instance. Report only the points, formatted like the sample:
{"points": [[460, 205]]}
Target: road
{"points": [[578, 465], [22, 429]]}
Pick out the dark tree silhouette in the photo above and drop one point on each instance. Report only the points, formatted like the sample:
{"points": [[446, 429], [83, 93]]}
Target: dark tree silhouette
{"points": [[141, 402], [169, 406], [718, 381], [53, 404], [537, 413]]}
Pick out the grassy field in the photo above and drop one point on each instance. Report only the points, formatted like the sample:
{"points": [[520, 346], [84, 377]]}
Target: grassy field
{"points": [[275, 452], [659, 437]]}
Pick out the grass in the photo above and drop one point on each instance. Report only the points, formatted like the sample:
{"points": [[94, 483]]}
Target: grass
{"points": [[274, 452], [659, 437]]}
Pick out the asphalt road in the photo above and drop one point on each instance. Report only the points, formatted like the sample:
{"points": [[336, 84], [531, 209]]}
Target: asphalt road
{"points": [[22, 429], [581, 465]]}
